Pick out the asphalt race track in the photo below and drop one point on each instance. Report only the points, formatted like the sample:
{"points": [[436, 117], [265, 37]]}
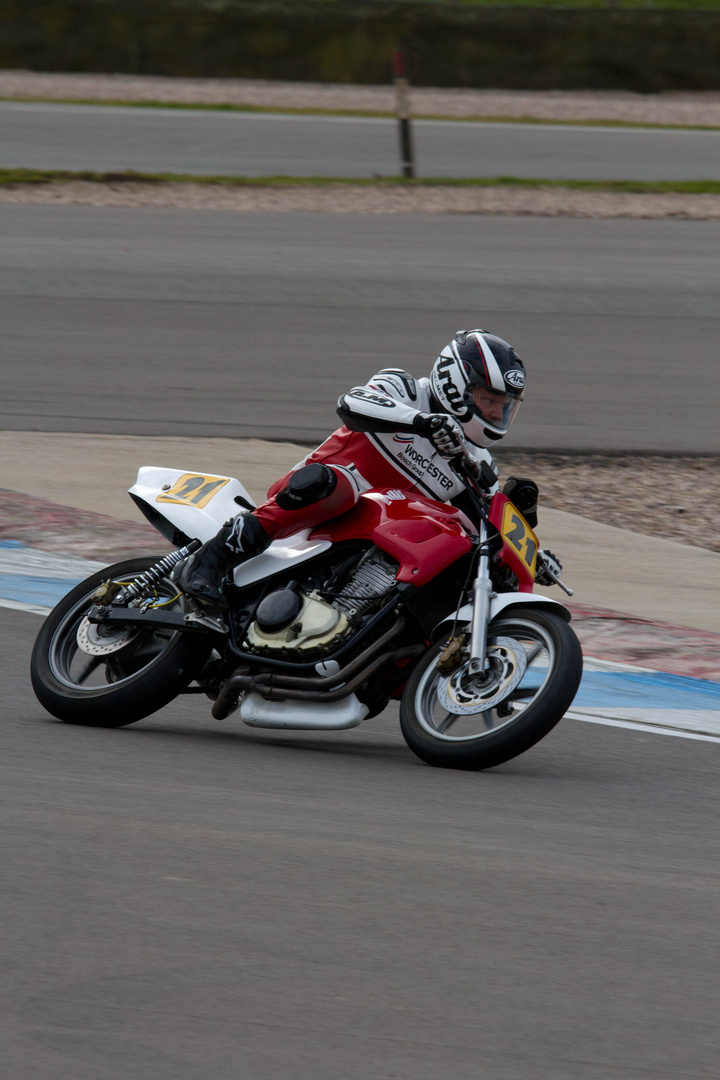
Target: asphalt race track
{"points": [[192, 900], [52, 136], [186, 899], [179, 322]]}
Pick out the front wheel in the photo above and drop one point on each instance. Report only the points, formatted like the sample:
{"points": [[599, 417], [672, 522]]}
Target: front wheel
{"points": [[111, 676], [450, 719]]}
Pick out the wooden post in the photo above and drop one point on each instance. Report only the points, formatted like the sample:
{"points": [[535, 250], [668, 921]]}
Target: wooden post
{"points": [[402, 105]]}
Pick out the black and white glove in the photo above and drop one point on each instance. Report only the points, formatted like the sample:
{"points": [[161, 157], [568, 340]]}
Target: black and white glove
{"points": [[547, 564], [442, 431]]}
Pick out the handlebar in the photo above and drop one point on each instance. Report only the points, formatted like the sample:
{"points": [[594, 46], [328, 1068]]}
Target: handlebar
{"points": [[478, 471], [483, 479]]}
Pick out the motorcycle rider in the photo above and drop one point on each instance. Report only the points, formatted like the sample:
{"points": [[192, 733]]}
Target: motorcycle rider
{"points": [[398, 432]]}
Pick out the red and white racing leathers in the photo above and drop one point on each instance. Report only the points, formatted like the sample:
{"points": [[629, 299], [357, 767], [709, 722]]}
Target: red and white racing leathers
{"points": [[377, 447]]}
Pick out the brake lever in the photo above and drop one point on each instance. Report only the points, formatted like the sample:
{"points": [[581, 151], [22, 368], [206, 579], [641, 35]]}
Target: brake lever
{"points": [[555, 578]]}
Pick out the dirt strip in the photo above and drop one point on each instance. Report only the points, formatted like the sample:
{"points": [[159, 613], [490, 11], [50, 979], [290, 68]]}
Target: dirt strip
{"points": [[610, 635], [694, 109], [375, 199], [48, 526]]}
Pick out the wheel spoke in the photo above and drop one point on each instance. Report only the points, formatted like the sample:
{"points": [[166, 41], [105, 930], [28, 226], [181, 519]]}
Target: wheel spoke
{"points": [[93, 663], [449, 720], [532, 653], [523, 692]]}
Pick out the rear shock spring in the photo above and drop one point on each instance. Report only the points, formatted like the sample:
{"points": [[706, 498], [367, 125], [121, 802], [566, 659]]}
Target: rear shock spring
{"points": [[142, 585]]}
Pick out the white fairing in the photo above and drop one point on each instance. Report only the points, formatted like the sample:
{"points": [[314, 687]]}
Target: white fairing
{"points": [[161, 489], [154, 485], [498, 603], [302, 715], [281, 555]]}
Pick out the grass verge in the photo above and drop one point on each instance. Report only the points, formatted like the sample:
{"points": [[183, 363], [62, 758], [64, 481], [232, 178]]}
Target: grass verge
{"points": [[658, 187]]}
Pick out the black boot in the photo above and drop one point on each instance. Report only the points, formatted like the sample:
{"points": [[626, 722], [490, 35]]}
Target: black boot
{"points": [[202, 574]]}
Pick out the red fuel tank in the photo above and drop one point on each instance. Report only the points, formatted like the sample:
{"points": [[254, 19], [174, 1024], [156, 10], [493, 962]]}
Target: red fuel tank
{"points": [[423, 535]]}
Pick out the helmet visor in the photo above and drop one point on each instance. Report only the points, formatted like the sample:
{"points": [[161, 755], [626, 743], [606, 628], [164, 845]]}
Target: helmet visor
{"points": [[495, 409]]}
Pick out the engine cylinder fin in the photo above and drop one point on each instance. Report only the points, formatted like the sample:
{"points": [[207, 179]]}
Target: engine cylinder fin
{"points": [[372, 580]]}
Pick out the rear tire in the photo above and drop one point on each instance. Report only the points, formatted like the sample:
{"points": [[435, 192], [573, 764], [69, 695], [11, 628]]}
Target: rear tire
{"points": [[483, 739], [139, 678]]}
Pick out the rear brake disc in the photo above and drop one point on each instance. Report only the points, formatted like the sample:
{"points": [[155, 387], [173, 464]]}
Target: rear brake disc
{"points": [[101, 641]]}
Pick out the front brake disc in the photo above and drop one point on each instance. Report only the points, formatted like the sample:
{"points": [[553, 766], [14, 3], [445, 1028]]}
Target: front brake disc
{"points": [[462, 694]]}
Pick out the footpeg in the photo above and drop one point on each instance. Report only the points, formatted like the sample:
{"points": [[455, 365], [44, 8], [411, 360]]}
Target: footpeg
{"points": [[210, 622]]}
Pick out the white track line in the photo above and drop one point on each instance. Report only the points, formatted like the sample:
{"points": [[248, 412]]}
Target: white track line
{"points": [[18, 605], [647, 729]]}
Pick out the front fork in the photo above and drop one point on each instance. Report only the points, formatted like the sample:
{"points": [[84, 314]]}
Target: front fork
{"points": [[482, 595]]}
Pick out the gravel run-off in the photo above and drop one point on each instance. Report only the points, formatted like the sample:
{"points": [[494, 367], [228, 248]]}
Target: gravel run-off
{"points": [[675, 498], [375, 199], [688, 108]]}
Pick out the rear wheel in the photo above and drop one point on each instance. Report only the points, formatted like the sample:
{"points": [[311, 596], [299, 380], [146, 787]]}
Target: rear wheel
{"points": [[450, 719], [85, 673]]}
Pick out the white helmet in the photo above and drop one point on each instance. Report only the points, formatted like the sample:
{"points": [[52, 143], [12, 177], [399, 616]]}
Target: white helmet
{"points": [[479, 379]]}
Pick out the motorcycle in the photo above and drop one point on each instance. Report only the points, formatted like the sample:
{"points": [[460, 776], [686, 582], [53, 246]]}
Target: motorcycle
{"points": [[402, 598]]}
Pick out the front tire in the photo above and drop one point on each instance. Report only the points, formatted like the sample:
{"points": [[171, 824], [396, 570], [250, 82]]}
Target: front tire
{"points": [[548, 671], [141, 672]]}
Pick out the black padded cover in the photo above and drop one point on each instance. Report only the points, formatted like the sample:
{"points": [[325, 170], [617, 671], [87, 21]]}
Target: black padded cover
{"points": [[278, 610]]}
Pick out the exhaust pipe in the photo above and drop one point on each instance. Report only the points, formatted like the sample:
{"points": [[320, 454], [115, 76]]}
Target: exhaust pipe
{"points": [[327, 688]]}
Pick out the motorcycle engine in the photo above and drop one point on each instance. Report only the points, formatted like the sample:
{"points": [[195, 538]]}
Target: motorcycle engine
{"points": [[314, 626], [304, 624]]}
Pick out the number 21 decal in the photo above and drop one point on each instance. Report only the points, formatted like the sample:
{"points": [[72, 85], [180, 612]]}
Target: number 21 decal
{"points": [[519, 535], [193, 490]]}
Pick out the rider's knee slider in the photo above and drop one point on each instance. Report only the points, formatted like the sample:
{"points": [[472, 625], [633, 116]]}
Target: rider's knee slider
{"points": [[307, 486]]}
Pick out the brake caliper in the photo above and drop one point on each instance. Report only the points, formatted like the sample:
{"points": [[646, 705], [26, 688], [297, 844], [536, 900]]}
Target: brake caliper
{"points": [[106, 593], [451, 655]]}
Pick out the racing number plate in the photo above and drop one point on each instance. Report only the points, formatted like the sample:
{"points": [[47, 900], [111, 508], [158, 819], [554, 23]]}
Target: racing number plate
{"points": [[193, 490], [520, 537]]}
